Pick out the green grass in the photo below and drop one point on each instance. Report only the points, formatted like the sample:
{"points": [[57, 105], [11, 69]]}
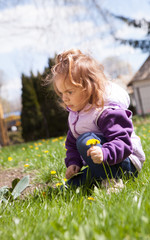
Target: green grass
{"points": [[71, 215]]}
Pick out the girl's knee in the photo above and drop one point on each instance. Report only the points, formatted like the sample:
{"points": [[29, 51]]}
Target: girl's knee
{"points": [[86, 140], [83, 139]]}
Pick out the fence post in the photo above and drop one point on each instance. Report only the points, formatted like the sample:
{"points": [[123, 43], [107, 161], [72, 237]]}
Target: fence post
{"points": [[4, 140]]}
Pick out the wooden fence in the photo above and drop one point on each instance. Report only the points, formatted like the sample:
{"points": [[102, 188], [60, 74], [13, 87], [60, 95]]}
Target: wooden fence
{"points": [[4, 140]]}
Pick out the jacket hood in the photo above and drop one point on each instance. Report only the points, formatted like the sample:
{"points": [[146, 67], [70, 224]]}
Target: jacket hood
{"points": [[116, 95]]}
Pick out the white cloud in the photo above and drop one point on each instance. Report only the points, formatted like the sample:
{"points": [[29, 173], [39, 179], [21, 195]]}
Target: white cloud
{"points": [[40, 28], [130, 32], [11, 90]]}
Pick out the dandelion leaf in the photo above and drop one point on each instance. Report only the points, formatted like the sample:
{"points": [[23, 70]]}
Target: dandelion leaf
{"points": [[20, 187], [3, 191]]}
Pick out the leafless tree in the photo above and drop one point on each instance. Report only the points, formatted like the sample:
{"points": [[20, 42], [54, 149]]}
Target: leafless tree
{"points": [[80, 10], [115, 67]]}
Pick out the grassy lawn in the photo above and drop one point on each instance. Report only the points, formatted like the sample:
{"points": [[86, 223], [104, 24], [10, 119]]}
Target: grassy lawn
{"points": [[73, 215]]}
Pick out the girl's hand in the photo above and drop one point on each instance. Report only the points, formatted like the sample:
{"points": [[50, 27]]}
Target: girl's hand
{"points": [[72, 170], [96, 154]]}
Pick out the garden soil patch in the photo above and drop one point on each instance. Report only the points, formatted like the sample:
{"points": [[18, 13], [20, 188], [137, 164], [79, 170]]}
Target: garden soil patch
{"points": [[8, 175]]}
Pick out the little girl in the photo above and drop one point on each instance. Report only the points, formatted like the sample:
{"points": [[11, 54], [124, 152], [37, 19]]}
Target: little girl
{"points": [[101, 133]]}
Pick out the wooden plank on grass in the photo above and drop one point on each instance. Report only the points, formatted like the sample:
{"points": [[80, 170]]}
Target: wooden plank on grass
{"points": [[4, 140]]}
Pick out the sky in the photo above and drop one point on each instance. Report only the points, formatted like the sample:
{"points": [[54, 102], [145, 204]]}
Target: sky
{"points": [[32, 31]]}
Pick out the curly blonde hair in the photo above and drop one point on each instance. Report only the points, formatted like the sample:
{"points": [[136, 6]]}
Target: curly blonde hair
{"points": [[82, 71]]}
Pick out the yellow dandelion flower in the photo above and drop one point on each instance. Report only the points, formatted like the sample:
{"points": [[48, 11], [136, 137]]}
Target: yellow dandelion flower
{"points": [[35, 144], [39, 143], [66, 149], [23, 149], [27, 159], [91, 198], [92, 142], [10, 159], [60, 138], [53, 172], [43, 140], [26, 165], [55, 140], [58, 184], [46, 151], [39, 155], [30, 146], [65, 179], [36, 148]]}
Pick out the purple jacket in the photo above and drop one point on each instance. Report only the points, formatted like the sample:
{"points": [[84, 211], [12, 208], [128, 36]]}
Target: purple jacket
{"points": [[116, 126]]}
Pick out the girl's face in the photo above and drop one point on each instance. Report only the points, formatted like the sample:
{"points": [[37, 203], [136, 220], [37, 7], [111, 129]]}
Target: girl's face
{"points": [[73, 97]]}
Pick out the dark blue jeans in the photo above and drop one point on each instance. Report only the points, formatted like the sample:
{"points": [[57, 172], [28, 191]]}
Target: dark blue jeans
{"points": [[97, 172]]}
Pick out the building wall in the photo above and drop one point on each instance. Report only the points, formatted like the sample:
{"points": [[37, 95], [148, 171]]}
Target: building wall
{"points": [[142, 96]]}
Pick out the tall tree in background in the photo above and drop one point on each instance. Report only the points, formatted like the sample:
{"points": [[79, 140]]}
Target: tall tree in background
{"points": [[31, 116], [55, 117], [41, 115], [143, 44]]}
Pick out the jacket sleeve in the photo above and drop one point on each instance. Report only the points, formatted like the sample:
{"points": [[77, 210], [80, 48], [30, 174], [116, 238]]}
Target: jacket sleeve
{"points": [[72, 154], [116, 126]]}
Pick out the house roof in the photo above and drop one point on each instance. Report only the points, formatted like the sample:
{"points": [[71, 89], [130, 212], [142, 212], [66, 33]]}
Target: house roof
{"points": [[143, 73]]}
